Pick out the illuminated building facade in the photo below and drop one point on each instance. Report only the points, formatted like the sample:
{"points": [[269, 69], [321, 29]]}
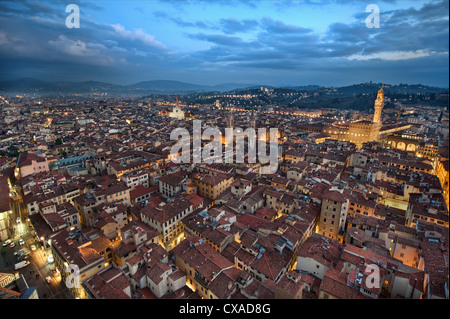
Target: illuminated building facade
{"points": [[361, 131]]}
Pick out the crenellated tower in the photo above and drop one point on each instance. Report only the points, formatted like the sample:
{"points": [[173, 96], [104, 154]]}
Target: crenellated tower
{"points": [[379, 104]]}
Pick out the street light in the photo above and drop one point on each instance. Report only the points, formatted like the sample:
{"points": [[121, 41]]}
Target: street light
{"points": [[43, 242]]}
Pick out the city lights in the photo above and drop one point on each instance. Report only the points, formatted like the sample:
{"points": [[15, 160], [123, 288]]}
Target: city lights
{"points": [[235, 151]]}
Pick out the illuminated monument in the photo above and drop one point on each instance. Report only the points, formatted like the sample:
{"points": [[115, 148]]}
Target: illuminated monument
{"points": [[177, 112], [361, 131], [379, 104]]}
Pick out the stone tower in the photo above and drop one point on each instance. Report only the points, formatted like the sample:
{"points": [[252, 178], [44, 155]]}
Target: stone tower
{"points": [[230, 121], [251, 142], [253, 120], [379, 104]]}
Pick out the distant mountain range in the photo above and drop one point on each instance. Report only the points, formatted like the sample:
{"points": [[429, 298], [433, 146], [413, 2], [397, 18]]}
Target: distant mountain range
{"points": [[144, 87], [29, 85]]}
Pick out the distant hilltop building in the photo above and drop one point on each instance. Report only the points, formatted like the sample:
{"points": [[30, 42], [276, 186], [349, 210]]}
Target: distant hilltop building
{"points": [[361, 131], [263, 89]]}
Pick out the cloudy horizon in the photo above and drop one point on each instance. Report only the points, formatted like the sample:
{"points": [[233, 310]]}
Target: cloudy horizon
{"points": [[209, 42]]}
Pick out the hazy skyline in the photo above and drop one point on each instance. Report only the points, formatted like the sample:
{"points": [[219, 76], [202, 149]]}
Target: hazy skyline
{"points": [[209, 42]]}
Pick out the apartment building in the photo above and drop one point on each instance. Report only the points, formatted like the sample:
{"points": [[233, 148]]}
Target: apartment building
{"points": [[201, 264], [76, 260], [333, 214], [427, 207], [110, 283], [60, 216], [172, 184], [134, 178], [167, 220], [30, 163], [212, 186], [5, 220], [51, 195], [114, 192]]}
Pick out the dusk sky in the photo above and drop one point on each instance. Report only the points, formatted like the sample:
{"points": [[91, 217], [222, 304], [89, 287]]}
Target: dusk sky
{"points": [[208, 42]]}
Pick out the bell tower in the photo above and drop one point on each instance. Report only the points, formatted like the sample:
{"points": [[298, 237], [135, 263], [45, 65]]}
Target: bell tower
{"points": [[253, 120], [379, 104]]}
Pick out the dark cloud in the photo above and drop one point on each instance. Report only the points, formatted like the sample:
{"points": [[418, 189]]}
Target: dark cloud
{"points": [[279, 27], [178, 4], [410, 45], [197, 24], [27, 7], [232, 25], [407, 30], [219, 39], [227, 26]]}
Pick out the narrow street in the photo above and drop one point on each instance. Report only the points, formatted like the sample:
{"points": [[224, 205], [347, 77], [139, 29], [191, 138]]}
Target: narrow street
{"points": [[41, 265]]}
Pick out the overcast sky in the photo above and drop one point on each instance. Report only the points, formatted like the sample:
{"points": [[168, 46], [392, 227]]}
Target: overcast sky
{"points": [[271, 42]]}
